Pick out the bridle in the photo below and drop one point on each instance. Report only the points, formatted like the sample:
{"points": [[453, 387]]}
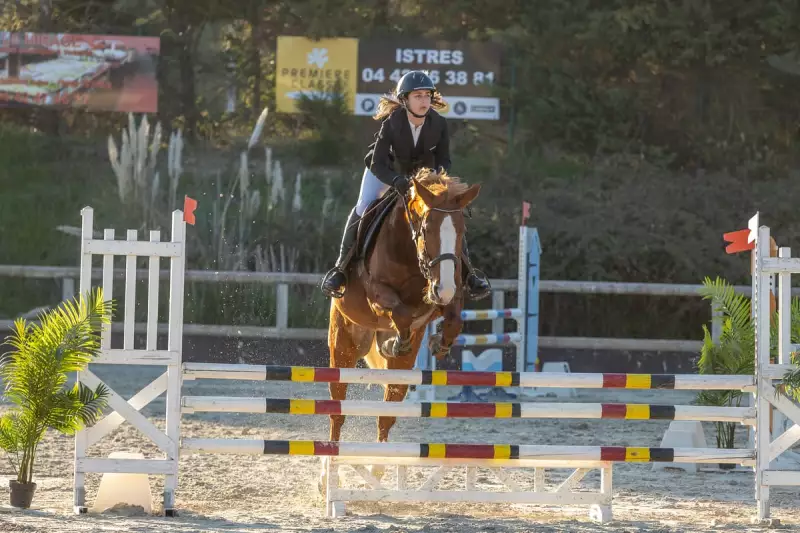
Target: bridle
{"points": [[425, 263]]}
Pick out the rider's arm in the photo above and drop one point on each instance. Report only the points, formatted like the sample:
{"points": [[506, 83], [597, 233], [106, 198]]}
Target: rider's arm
{"points": [[443, 148], [381, 166]]}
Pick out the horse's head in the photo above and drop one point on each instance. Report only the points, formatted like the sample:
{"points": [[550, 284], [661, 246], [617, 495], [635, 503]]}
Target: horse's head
{"points": [[435, 208]]}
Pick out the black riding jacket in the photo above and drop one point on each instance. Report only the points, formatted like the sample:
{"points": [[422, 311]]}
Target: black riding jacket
{"points": [[394, 154]]}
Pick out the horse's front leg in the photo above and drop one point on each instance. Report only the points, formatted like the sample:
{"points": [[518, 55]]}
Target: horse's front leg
{"points": [[397, 393], [448, 329], [386, 302]]}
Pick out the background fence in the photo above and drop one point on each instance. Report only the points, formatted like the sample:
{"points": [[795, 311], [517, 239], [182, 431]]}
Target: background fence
{"points": [[66, 276]]}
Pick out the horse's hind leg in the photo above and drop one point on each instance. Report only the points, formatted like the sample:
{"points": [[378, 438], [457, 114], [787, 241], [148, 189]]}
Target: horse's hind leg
{"points": [[342, 355], [347, 343]]}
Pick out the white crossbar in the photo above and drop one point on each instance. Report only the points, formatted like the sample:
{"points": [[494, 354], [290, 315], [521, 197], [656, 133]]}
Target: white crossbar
{"points": [[126, 466], [421, 496], [134, 248], [138, 357], [780, 265]]}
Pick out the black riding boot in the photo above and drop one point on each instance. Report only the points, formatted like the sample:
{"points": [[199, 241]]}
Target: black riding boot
{"points": [[333, 284], [478, 287]]}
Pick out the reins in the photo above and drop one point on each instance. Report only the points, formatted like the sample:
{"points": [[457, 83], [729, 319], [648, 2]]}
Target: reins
{"points": [[426, 264]]}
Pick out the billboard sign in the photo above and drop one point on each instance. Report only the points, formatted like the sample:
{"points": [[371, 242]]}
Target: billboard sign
{"points": [[94, 72], [309, 67], [462, 71]]}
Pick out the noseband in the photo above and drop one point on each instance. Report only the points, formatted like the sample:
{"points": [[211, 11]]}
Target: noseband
{"points": [[426, 264]]}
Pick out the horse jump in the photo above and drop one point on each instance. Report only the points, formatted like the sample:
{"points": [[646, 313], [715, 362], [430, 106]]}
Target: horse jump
{"points": [[443, 455]]}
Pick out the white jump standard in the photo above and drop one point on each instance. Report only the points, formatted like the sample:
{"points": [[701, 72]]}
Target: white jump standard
{"points": [[171, 358]]}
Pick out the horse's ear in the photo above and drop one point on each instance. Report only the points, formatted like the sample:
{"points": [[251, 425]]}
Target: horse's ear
{"points": [[468, 196], [427, 197]]}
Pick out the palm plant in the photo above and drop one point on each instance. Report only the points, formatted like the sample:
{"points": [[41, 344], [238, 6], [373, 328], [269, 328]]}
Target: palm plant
{"points": [[733, 353], [34, 374], [790, 383]]}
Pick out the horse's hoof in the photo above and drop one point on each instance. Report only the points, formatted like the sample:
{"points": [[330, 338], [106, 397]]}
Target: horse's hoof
{"points": [[388, 349], [435, 343], [405, 346], [441, 353], [435, 346], [392, 348]]}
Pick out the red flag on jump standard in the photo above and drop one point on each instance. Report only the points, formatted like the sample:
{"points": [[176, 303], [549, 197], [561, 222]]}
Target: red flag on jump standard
{"points": [[189, 205], [738, 241], [526, 212]]}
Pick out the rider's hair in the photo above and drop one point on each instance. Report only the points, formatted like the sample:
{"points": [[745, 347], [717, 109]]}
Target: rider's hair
{"points": [[390, 102]]}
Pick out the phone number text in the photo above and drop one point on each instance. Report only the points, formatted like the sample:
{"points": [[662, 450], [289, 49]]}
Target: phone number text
{"points": [[448, 77]]}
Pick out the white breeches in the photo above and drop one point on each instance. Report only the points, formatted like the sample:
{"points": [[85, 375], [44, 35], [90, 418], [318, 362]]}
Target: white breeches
{"points": [[371, 189]]}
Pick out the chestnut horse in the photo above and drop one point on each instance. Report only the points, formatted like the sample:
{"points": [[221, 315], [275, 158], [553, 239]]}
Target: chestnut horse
{"points": [[411, 276]]}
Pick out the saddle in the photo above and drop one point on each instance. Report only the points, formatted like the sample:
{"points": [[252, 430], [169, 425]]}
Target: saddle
{"points": [[370, 224]]}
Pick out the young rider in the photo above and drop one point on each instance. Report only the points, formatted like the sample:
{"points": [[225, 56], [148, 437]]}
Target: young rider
{"points": [[412, 136]]}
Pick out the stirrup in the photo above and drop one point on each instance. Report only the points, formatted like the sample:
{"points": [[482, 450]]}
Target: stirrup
{"points": [[332, 292], [480, 294]]}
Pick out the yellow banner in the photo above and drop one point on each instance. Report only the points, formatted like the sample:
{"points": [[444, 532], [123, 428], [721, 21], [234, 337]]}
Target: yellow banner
{"points": [[305, 66]]}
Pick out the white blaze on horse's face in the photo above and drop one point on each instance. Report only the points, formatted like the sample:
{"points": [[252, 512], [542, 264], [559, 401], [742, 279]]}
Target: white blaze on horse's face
{"points": [[446, 287]]}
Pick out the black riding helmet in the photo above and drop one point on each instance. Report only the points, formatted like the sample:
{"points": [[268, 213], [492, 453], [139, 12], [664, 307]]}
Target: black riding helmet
{"points": [[415, 80]]}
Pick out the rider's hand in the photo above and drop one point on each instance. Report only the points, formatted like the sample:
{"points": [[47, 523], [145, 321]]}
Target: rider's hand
{"points": [[401, 184]]}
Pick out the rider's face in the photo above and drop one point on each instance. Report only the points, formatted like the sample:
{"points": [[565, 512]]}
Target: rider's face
{"points": [[419, 101]]}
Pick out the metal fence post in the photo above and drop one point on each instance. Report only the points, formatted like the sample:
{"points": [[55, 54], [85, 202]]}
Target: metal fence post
{"points": [[282, 306], [67, 288], [716, 324], [498, 302]]}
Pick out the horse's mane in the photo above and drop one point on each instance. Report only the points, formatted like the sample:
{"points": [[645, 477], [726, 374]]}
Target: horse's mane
{"points": [[439, 183]]}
